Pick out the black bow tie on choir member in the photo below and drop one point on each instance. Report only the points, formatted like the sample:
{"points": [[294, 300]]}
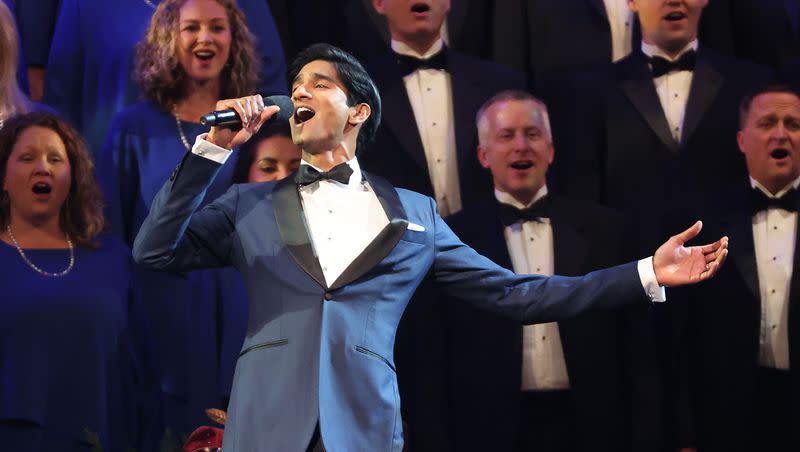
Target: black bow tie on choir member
{"points": [[662, 66], [789, 201], [409, 64], [340, 173], [510, 214]]}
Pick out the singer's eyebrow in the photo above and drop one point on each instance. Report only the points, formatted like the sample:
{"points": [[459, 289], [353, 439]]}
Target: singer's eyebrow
{"points": [[315, 76]]}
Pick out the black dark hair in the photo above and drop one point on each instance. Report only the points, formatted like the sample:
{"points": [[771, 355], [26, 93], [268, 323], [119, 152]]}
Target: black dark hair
{"points": [[359, 85], [747, 99], [247, 152]]}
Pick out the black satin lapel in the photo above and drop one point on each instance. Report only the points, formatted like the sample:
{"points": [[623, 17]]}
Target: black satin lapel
{"points": [[492, 242], [569, 245], [794, 286], [386, 240], [742, 250], [706, 83], [465, 103], [456, 18], [600, 8], [399, 117], [292, 226], [637, 84]]}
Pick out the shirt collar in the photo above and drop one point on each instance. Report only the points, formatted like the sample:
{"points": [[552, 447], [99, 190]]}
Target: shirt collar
{"points": [[652, 50], [355, 178], [506, 198], [756, 184], [403, 49]]}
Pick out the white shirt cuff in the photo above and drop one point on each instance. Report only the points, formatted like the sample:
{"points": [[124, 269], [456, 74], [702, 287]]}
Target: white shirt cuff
{"points": [[210, 150], [647, 275]]}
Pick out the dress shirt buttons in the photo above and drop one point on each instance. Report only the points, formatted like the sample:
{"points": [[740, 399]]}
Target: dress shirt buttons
{"points": [[328, 296]]}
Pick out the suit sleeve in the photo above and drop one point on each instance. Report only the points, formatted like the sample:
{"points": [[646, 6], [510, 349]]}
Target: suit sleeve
{"points": [[466, 275], [174, 237]]}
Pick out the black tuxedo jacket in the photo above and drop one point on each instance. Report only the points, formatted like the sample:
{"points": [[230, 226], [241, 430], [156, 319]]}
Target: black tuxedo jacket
{"points": [[621, 152], [397, 153], [608, 354], [721, 335], [764, 32]]}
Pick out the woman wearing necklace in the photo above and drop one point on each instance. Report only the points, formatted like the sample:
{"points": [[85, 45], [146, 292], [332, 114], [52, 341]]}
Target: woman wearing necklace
{"points": [[89, 70], [194, 53], [71, 377]]}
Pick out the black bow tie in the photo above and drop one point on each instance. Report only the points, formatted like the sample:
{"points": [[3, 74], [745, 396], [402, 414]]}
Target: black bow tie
{"points": [[409, 64], [540, 209], [661, 66], [789, 201], [340, 173]]}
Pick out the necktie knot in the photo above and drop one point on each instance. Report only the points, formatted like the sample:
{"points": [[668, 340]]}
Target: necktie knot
{"points": [[661, 66], [409, 64], [340, 173], [789, 201], [540, 209]]}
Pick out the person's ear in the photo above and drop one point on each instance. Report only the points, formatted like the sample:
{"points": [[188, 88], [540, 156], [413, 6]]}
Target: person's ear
{"points": [[359, 113]]}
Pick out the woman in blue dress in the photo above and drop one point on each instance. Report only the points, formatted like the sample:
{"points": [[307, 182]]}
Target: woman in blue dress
{"points": [[89, 74], [194, 53], [72, 374]]}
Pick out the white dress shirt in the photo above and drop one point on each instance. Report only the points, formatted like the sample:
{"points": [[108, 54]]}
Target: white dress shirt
{"points": [[774, 232], [620, 19], [431, 95], [530, 246], [672, 88], [341, 219]]}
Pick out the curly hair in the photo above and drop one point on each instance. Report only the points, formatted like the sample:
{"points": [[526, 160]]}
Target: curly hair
{"points": [[12, 100], [81, 215], [159, 73]]}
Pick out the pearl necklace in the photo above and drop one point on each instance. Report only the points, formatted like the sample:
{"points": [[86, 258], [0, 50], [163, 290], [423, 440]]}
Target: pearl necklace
{"points": [[37, 269], [180, 129], [150, 4]]}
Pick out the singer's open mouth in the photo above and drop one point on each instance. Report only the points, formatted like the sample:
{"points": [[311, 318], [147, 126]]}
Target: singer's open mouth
{"points": [[303, 114], [204, 55], [779, 153], [420, 8], [522, 164], [42, 188], [674, 16]]}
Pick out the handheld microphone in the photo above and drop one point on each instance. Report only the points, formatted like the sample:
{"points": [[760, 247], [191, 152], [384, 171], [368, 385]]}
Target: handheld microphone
{"points": [[229, 117]]}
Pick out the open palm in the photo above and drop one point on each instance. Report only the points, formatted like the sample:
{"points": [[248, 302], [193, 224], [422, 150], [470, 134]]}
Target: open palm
{"points": [[677, 265]]}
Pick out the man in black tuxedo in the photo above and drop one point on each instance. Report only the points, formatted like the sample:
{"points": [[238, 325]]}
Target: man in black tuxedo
{"points": [[580, 385], [431, 94], [652, 127], [742, 329]]}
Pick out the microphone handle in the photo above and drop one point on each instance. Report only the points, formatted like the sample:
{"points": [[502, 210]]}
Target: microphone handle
{"points": [[221, 118]]}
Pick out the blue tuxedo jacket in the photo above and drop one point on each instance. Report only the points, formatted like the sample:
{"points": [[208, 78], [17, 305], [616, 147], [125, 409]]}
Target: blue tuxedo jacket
{"points": [[318, 352]]}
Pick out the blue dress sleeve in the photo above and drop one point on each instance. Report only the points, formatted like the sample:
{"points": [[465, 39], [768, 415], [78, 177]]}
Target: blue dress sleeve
{"points": [[268, 46], [36, 20], [63, 85], [117, 173]]}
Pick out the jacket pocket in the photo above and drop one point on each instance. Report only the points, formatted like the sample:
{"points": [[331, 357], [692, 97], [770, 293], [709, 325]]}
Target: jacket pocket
{"points": [[270, 344], [370, 353]]}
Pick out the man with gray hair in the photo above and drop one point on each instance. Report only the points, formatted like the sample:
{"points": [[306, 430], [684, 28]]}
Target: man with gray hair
{"points": [[563, 386]]}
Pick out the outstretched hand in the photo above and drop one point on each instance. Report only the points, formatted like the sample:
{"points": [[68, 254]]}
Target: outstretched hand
{"points": [[678, 265]]}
